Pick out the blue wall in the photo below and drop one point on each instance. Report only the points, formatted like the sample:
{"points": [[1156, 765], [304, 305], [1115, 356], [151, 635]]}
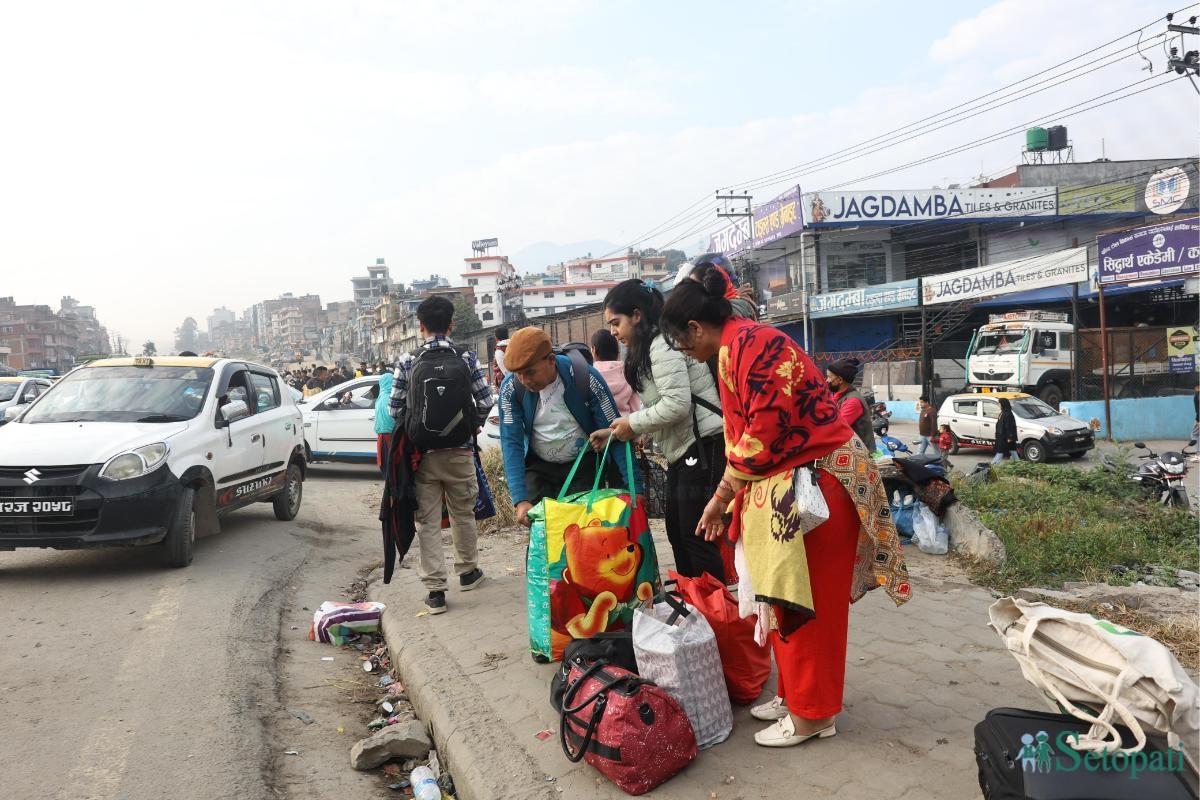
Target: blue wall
{"points": [[902, 410], [1140, 418]]}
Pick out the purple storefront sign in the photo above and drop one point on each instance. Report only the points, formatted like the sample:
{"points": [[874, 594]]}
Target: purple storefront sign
{"points": [[772, 221], [778, 218], [1165, 251]]}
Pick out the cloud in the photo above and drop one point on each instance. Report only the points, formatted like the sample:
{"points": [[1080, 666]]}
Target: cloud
{"points": [[995, 22]]}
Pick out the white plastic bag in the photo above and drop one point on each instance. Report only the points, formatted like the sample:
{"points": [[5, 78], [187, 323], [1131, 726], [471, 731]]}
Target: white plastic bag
{"points": [[676, 648], [810, 500], [930, 535], [747, 605]]}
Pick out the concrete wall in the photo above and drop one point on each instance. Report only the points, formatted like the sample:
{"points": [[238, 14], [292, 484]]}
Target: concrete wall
{"points": [[1140, 418], [902, 410]]}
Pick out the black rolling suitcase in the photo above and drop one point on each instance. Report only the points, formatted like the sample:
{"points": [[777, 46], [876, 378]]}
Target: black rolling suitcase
{"points": [[1022, 757]]}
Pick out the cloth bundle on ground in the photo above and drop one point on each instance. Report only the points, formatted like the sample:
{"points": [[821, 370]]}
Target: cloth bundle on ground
{"points": [[337, 623], [591, 562]]}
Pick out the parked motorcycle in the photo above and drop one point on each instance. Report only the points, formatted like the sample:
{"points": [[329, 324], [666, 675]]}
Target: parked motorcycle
{"points": [[1164, 475], [939, 464]]}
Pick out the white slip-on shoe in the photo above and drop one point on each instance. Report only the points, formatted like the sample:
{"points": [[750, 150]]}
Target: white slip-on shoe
{"points": [[771, 711], [783, 734]]}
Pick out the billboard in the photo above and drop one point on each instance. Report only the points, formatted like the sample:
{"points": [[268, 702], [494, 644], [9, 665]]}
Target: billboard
{"points": [[775, 219], [884, 296], [1005, 277], [1165, 251], [480, 245], [831, 209], [1100, 198]]}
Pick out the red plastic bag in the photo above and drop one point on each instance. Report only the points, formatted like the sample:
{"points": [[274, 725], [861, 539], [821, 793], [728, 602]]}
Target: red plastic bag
{"points": [[746, 665]]}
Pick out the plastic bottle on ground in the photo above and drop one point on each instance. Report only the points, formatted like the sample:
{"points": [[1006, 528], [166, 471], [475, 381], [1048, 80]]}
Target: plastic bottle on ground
{"points": [[424, 784]]}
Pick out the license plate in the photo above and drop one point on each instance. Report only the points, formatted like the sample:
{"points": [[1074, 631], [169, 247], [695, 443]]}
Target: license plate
{"points": [[41, 507], [1081, 438]]}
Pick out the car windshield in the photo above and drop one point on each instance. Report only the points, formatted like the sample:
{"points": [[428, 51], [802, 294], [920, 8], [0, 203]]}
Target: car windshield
{"points": [[1000, 342], [8, 391], [124, 394], [1032, 408]]}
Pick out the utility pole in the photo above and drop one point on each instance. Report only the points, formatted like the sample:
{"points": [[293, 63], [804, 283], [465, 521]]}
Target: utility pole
{"points": [[748, 215]]}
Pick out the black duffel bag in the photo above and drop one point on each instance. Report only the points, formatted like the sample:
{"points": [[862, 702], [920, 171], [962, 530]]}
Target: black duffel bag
{"points": [[615, 647]]}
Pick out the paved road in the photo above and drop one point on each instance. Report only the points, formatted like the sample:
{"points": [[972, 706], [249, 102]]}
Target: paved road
{"points": [[119, 679]]}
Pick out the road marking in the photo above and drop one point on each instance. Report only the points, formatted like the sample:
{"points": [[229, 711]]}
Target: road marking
{"points": [[104, 757]]}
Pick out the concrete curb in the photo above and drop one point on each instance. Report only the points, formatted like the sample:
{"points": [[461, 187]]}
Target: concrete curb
{"points": [[969, 536], [472, 741]]}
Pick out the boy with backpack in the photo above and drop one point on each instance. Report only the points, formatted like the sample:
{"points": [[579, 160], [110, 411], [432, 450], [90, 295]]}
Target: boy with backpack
{"points": [[440, 399]]}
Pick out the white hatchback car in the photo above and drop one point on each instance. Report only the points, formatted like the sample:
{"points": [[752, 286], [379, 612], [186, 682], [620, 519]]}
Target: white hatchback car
{"points": [[141, 451], [339, 423], [1042, 431]]}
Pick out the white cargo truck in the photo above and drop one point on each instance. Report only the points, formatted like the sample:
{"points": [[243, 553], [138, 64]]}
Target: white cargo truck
{"points": [[1023, 351]]}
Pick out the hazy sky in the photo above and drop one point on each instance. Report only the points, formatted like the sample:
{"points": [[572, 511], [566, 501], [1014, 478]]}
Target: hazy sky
{"points": [[160, 159]]}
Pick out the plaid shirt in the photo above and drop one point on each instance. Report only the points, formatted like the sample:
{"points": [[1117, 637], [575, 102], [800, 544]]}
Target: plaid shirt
{"points": [[481, 388]]}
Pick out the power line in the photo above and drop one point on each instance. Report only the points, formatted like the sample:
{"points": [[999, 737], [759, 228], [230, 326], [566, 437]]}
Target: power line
{"points": [[682, 218]]}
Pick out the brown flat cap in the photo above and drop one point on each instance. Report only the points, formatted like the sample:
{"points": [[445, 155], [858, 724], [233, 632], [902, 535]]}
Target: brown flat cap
{"points": [[525, 347]]}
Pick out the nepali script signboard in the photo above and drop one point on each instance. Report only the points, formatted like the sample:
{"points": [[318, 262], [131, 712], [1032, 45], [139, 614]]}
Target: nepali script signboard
{"points": [[772, 221], [1168, 250], [1018, 275], [885, 296]]}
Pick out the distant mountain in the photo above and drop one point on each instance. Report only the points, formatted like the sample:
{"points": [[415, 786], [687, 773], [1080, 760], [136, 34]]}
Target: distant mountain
{"points": [[536, 257]]}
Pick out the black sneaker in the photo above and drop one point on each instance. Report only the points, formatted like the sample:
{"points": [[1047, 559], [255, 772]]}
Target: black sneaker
{"points": [[436, 603], [471, 579]]}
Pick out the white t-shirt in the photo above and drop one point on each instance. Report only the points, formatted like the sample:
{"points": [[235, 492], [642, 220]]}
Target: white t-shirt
{"points": [[557, 436]]}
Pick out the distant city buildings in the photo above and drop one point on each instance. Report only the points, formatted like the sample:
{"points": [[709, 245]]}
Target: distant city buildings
{"points": [[35, 336]]}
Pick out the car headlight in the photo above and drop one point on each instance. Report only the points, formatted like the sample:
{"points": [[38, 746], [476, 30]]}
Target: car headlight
{"points": [[1053, 430], [135, 463]]}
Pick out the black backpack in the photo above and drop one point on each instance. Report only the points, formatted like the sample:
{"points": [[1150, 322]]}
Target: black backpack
{"points": [[441, 403]]}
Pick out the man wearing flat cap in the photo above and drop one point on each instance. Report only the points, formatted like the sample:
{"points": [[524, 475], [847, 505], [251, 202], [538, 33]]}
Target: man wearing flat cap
{"points": [[549, 405]]}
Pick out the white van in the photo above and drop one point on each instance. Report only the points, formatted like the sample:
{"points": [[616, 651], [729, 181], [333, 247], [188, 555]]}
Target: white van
{"points": [[147, 451]]}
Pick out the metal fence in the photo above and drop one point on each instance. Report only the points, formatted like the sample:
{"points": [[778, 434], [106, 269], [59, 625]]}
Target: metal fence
{"points": [[1138, 365]]}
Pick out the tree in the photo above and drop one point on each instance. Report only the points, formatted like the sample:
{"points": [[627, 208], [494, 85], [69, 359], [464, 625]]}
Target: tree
{"points": [[186, 337], [148, 348], [466, 321], [674, 257]]}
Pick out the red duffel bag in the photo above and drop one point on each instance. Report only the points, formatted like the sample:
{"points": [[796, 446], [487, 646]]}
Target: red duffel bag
{"points": [[747, 666], [626, 727]]}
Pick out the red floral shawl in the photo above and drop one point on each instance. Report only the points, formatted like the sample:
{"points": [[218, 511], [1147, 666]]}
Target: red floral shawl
{"points": [[779, 412]]}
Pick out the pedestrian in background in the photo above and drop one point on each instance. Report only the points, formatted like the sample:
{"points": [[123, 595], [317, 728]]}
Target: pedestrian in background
{"points": [[927, 427], [681, 410], [850, 404], [384, 424], [606, 355], [499, 371], [1006, 434]]}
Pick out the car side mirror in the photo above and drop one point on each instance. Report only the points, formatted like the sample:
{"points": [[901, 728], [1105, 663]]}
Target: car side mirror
{"points": [[12, 412], [233, 411]]}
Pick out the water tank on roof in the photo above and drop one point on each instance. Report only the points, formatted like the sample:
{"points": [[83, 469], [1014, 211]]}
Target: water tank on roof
{"points": [[1058, 137], [1037, 139]]}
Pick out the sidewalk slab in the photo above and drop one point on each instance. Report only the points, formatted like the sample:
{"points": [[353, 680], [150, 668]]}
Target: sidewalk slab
{"points": [[919, 678]]}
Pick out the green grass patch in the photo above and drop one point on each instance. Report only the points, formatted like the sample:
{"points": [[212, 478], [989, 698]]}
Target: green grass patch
{"points": [[1061, 524]]}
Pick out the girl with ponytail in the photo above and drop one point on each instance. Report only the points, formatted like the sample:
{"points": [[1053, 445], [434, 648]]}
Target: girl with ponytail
{"points": [[680, 410]]}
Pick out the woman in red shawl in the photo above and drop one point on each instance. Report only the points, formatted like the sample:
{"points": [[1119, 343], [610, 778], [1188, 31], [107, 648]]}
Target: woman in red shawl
{"points": [[780, 417]]}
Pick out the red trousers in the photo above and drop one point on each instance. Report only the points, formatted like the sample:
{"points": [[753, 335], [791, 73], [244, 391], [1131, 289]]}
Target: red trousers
{"points": [[812, 660]]}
